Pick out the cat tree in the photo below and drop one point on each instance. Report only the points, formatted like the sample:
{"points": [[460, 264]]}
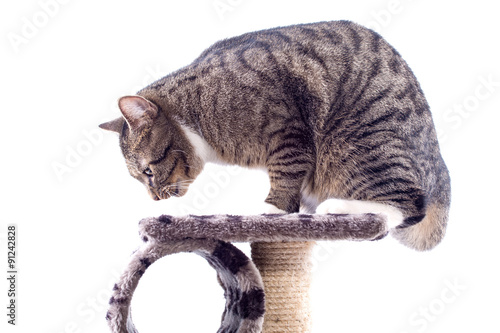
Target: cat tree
{"points": [[269, 293]]}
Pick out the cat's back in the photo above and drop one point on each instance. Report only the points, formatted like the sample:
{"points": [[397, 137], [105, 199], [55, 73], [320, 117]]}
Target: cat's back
{"points": [[330, 61], [320, 67], [305, 39]]}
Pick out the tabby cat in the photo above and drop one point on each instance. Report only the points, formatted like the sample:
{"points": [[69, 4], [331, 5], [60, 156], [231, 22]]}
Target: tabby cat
{"points": [[330, 109]]}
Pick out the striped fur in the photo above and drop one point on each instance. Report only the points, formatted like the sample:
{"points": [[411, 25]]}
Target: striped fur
{"points": [[330, 109]]}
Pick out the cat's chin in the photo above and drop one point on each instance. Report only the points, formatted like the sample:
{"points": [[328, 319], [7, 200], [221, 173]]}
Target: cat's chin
{"points": [[159, 196], [163, 195]]}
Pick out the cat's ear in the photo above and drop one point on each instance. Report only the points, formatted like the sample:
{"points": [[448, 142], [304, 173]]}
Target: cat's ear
{"points": [[137, 111], [115, 125]]}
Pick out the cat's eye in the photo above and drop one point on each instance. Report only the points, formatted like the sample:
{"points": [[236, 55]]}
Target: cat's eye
{"points": [[148, 172]]}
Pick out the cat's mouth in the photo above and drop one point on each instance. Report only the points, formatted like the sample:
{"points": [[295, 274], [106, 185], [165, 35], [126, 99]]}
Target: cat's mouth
{"points": [[169, 191]]}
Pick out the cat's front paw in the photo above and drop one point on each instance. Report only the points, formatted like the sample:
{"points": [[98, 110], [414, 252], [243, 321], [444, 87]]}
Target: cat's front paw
{"points": [[272, 209], [334, 206]]}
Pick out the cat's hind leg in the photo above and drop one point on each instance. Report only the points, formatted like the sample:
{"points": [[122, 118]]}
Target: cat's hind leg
{"points": [[341, 206]]}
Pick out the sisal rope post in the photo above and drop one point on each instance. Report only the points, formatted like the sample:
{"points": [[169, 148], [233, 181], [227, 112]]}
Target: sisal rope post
{"points": [[285, 268]]}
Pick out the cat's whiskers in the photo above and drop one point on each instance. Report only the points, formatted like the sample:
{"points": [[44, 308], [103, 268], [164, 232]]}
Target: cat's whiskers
{"points": [[172, 190]]}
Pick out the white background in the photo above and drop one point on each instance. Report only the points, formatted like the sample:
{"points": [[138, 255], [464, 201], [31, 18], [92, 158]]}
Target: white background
{"points": [[65, 185]]}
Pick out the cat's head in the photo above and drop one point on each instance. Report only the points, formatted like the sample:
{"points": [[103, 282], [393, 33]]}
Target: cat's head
{"points": [[155, 147]]}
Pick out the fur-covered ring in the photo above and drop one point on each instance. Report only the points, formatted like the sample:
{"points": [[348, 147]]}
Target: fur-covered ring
{"points": [[243, 288]]}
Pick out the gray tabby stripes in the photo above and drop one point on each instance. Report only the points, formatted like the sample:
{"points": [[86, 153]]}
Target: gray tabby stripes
{"points": [[209, 237]]}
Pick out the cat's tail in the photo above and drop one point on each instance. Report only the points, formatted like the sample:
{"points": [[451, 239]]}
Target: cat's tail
{"points": [[429, 232]]}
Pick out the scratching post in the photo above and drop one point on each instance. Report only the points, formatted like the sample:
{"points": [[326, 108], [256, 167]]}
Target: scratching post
{"points": [[286, 273], [267, 294]]}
